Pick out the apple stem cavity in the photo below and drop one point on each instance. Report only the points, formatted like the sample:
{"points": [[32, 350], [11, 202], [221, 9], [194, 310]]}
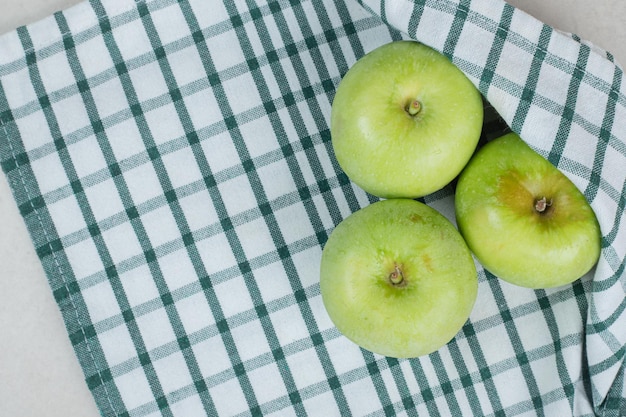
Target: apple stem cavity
{"points": [[397, 277], [414, 107], [542, 204]]}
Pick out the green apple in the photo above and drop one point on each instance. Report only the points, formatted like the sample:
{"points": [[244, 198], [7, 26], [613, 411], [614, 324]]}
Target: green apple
{"points": [[397, 278], [525, 221], [404, 121]]}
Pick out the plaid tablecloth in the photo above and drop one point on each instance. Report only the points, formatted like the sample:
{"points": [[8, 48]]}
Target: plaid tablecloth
{"points": [[172, 162]]}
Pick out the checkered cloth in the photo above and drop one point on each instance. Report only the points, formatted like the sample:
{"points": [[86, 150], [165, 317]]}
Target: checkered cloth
{"points": [[172, 162]]}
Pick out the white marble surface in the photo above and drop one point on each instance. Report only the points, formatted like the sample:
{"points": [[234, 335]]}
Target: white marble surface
{"points": [[39, 374]]}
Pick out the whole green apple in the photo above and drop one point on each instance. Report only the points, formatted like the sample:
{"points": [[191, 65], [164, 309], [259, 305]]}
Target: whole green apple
{"points": [[397, 278], [404, 121], [525, 221]]}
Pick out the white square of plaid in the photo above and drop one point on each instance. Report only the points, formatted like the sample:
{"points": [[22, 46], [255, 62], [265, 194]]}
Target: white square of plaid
{"points": [[148, 82], [35, 127], [87, 157], [511, 384], [104, 199], [155, 328], [226, 52], [177, 269], [544, 369], [210, 15], [102, 301], [93, 56], [56, 73], [289, 325], [474, 32], [592, 105], [604, 71], [211, 355], [170, 23], [220, 153], [198, 210], [272, 282], [13, 51], [182, 168], [322, 405], [612, 183], [319, 312], [187, 66], [143, 183], [110, 101], [164, 124], [233, 296], [517, 297], [68, 216], [260, 138], [310, 369], [361, 396], [172, 372], [532, 329], [18, 89], [344, 355], [195, 313], [204, 112], [579, 154], [190, 406], [122, 243], [132, 41], [433, 17], [124, 139], [494, 341], [50, 173], [551, 87], [43, 33], [138, 284], [237, 194], [264, 391], [250, 339], [517, 68], [304, 258], [277, 179], [84, 258], [545, 118], [134, 388], [229, 398], [242, 93], [255, 238], [523, 29], [71, 115], [117, 345], [216, 253], [79, 18]]}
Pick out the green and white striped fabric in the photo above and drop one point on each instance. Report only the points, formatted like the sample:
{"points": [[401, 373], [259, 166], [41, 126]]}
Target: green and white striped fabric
{"points": [[172, 162]]}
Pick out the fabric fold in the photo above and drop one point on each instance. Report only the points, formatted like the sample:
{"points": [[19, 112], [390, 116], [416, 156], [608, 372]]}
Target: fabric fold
{"points": [[538, 63]]}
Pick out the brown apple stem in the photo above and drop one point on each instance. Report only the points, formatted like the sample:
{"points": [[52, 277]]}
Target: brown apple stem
{"points": [[396, 277], [542, 204], [414, 107]]}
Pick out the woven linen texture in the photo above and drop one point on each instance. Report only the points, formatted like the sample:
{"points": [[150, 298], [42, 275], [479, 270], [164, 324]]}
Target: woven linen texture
{"points": [[172, 162]]}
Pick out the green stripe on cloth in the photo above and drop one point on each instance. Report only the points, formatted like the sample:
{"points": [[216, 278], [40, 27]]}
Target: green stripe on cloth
{"points": [[173, 164]]}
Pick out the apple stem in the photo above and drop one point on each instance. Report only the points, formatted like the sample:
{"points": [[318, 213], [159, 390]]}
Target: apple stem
{"points": [[414, 107], [396, 277], [542, 204]]}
